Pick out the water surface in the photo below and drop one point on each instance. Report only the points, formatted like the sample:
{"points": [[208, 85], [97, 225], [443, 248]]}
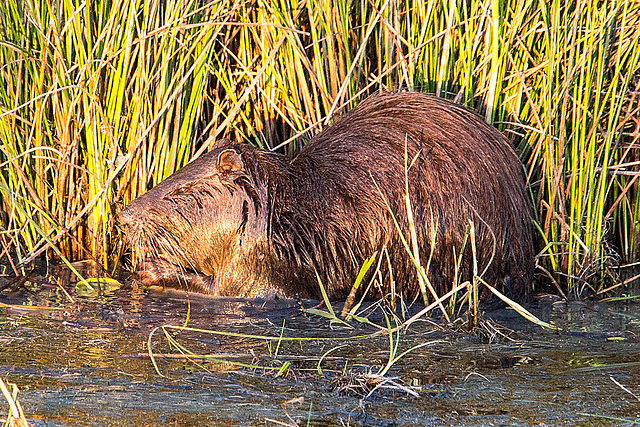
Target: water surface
{"points": [[86, 364]]}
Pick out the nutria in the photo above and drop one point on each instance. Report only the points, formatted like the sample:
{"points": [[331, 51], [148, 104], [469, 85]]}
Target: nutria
{"points": [[241, 221]]}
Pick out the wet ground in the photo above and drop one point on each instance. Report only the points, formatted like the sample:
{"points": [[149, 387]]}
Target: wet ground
{"points": [[86, 363]]}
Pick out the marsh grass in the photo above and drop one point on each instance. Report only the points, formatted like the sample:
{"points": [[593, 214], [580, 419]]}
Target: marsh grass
{"points": [[363, 380], [16, 417], [99, 101]]}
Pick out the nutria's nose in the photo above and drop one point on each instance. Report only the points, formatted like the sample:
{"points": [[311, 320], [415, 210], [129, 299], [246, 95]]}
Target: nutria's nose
{"points": [[125, 218]]}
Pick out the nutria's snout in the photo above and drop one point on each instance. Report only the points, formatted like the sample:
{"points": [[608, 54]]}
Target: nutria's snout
{"points": [[144, 233], [125, 220], [132, 217], [138, 210], [157, 258], [134, 239]]}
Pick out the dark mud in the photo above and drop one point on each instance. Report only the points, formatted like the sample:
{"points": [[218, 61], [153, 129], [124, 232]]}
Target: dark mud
{"points": [[86, 364]]}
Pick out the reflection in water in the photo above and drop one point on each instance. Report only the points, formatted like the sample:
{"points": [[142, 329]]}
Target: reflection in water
{"points": [[87, 364]]}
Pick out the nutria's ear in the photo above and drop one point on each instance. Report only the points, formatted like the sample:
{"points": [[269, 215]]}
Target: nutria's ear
{"points": [[230, 161]]}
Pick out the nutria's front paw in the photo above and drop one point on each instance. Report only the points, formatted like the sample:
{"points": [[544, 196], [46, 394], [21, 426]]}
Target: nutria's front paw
{"points": [[155, 272], [159, 272]]}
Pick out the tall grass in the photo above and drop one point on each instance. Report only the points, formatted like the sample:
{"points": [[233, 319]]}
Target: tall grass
{"points": [[100, 101]]}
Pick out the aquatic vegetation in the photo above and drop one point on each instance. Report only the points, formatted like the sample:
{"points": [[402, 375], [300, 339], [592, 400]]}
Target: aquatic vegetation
{"points": [[16, 417], [363, 379]]}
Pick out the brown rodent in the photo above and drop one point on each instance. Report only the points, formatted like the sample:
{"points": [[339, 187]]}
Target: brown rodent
{"points": [[241, 221]]}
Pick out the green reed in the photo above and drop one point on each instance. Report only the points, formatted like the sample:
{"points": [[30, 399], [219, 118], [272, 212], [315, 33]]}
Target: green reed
{"points": [[100, 101]]}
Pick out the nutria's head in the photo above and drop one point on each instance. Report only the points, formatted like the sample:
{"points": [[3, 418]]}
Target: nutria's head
{"points": [[198, 218]]}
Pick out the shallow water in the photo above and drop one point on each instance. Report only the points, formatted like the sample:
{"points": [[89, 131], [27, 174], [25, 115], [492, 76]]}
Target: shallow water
{"points": [[87, 364]]}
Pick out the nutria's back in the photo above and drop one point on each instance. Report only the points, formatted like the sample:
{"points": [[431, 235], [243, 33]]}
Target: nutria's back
{"points": [[245, 221]]}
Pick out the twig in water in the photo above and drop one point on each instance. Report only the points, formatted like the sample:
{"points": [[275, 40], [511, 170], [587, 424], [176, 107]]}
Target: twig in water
{"points": [[624, 388]]}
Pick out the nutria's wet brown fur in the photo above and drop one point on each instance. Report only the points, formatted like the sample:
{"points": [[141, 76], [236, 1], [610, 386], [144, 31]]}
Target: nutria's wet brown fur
{"points": [[247, 222]]}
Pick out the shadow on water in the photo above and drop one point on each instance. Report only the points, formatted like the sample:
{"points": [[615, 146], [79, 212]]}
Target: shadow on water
{"points": [[87, 364]]}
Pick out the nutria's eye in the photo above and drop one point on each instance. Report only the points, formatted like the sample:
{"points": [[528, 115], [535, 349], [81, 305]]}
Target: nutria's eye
{"points": [[180, 191]]}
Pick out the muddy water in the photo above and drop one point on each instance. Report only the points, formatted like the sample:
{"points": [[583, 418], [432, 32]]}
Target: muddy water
{"points": [[86, 364]]}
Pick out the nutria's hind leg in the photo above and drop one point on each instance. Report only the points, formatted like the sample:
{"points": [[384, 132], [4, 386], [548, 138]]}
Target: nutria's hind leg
{"points": [[159, 272]]}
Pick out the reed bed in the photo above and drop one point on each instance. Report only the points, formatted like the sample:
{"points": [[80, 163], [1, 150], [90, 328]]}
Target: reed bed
{"points": [[99, 101]]}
